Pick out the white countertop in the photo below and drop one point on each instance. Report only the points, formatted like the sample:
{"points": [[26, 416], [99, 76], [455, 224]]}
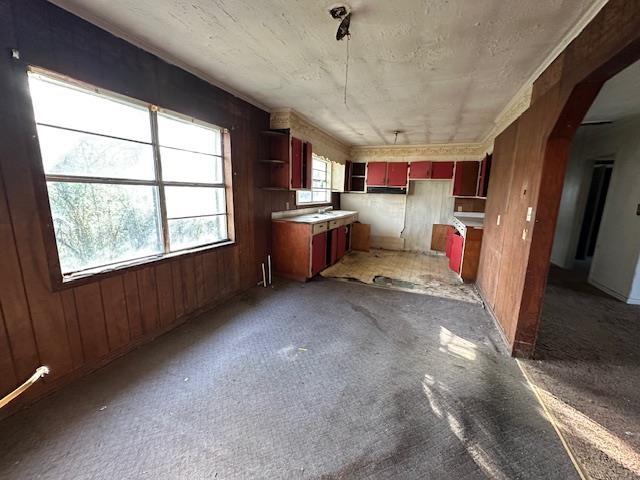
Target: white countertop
{"points": [[312, 218], [470, 219]]}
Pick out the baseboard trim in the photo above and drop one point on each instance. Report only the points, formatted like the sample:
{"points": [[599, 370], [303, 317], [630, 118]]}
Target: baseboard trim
{"points": [[493, 316], [613, 293]]}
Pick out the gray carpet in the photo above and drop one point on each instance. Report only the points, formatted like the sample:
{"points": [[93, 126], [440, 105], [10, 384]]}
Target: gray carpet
{"points": [[322, 380]]}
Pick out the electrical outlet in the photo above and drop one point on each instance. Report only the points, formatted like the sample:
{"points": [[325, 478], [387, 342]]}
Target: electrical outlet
{"points": [[498, 220], [529, 213], [459, 208], [524, 233]]}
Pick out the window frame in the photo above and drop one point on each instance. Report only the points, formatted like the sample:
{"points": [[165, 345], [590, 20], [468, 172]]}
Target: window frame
{"points": [[59, 280], [329, 189]]}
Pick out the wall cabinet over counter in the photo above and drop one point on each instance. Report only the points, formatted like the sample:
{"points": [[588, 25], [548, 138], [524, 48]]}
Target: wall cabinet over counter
{"points": [[470, 177], [289, 160]]}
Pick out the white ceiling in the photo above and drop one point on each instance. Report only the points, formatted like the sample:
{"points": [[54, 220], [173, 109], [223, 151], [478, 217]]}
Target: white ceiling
{"points": [[440, 70], [619, 97]]}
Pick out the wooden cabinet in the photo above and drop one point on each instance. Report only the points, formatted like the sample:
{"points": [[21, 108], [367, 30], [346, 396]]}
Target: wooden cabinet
{"points": [[431, 171], [289, 160], [442, 170], [376, 174], [483, 177], [318, 253], [420, 170], [465, 180], [397, 174], [355, 174], [296, 163], [387, 174], [455, 255], [302, 250]]}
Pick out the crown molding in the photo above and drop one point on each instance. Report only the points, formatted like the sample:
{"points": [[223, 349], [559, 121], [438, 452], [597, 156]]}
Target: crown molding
{"points": [[459, 151], [521, 101], [323, 143]]}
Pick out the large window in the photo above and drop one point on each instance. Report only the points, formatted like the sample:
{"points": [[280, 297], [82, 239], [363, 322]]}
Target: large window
{"points": [[125, 180], [321, 183]]}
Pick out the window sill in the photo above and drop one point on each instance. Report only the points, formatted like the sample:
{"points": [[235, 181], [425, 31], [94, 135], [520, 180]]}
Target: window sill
{"points": [[101, 273]]}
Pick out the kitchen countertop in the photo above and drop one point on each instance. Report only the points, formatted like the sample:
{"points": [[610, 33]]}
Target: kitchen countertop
{"points": [[312, 218], [470, 219]]}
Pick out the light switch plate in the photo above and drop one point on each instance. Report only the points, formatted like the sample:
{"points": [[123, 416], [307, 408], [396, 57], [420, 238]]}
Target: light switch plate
{"points": [[524, 233], [529, 213], [498, 220]]}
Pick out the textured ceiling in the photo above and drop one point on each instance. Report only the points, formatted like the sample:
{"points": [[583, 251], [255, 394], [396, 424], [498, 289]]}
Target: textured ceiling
{"points": [[440, 70], [619, 97]]}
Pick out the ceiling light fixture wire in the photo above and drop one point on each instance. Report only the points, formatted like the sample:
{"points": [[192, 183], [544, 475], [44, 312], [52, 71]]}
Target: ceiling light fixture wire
{"points": [[346, 70]]}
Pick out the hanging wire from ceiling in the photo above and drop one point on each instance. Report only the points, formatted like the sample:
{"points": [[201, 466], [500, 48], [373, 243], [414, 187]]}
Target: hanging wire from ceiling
{"points": [[346, 70]]}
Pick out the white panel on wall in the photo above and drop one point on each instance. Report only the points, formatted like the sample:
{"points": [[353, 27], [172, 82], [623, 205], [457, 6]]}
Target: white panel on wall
{"points": [[428, 203]]}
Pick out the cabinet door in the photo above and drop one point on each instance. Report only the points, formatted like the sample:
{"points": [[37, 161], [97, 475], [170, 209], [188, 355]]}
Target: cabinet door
{"points": [[420, 170], [449, 243], [455, 260], [442, 170], [318, 253], [397, 174], [342, 241], [376, 174], [466, 179], [296, 163], [483, 177], [333, 244], [307, 165]]}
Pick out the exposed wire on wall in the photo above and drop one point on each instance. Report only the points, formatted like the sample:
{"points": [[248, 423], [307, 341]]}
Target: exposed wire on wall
{"points": [[343, 13]]}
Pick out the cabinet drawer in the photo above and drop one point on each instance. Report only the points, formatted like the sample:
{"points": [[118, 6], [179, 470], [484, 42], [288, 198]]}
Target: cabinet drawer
{"points": [[319, 228], [334, 224]]}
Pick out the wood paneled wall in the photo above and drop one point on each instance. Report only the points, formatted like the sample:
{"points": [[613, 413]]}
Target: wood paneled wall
{"points": [[76, 330], [528, 170]]}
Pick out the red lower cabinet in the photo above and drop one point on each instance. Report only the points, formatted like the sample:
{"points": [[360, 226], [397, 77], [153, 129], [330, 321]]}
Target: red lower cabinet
{"points": [[333, 254], [455, 257], [318, 253], [450, 233]]}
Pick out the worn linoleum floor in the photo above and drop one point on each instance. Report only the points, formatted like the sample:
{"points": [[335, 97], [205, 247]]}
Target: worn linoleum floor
{"points": [[325, 380], [424, 273], [587, 367]]}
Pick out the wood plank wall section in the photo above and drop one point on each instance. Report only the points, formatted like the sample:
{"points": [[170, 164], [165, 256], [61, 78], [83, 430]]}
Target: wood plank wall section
{"points": [[77, 330], [528, 169]]}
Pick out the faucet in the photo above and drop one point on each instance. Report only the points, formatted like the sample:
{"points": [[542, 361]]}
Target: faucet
{"points": [[325, 209]]}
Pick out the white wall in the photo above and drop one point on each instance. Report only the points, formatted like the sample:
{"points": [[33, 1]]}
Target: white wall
{"points": [[591, 143], [615, 267], [403, 222]]}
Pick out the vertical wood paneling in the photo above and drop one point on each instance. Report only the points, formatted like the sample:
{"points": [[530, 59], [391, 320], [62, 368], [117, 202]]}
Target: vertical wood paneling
{"points": [[115, 312], [8, 380], [73, 329], [80, 327], [132, 300], [178, 295], [189, 285], [165, 294], [91, 321], [148, 299]]}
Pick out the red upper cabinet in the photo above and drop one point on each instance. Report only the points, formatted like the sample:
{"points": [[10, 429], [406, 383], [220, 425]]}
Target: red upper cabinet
{"points": [[465, 181], [376, 174], [442, 170], [397, 174], [296, 163], [420, 171], [483, 178], [307, 165]]}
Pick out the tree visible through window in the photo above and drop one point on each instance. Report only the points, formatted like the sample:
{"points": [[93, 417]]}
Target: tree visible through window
{"points": [[125, 181], [321, 183]]}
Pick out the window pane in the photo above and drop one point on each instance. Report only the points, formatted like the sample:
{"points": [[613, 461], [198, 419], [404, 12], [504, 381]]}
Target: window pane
{"points": [[173, 132], [69, 107], [65, 152], [320, 196], [99, 224], [304, 197], [181, 166], [194, 201], [192, 232]]}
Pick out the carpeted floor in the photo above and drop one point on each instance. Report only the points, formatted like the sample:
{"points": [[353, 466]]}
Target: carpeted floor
{"points": [[325, 380], [587, 366]]}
